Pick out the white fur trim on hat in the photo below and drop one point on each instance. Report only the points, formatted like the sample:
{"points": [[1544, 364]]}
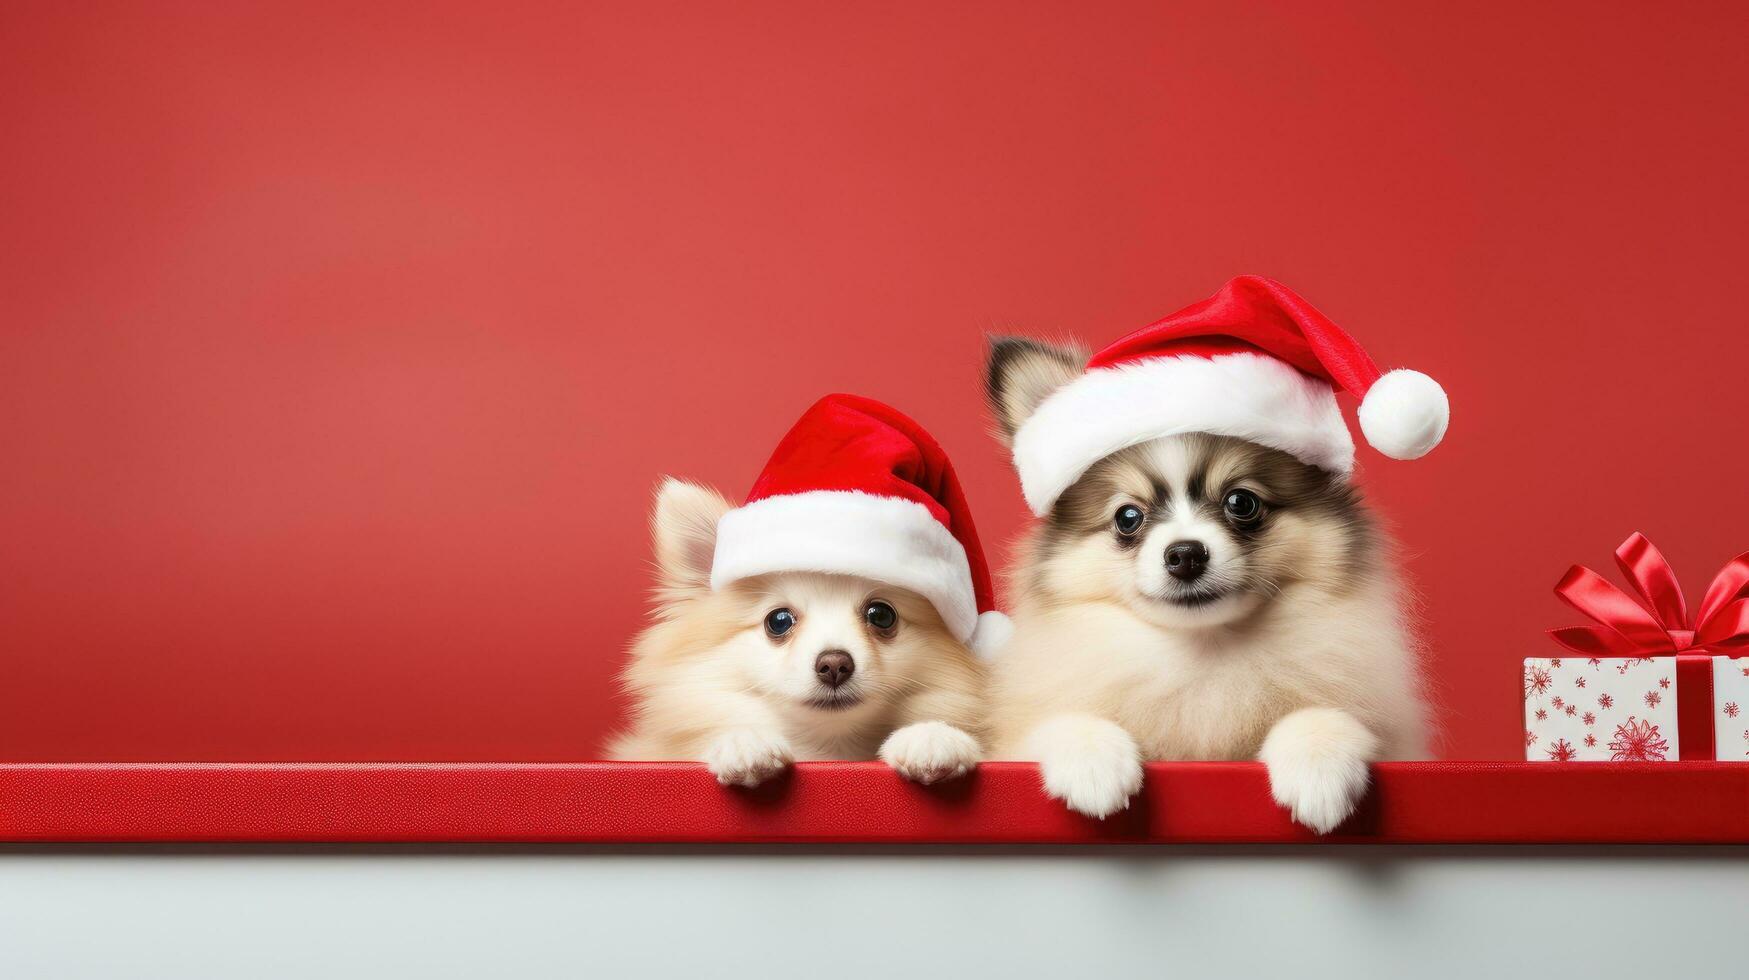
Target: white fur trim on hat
{"points": [[843, 532], [1404, 414], [1249, 396], [991, 634]]}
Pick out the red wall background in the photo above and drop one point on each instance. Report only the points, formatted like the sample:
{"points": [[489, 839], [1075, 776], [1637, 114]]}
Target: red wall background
{"points": [[342, 345]]}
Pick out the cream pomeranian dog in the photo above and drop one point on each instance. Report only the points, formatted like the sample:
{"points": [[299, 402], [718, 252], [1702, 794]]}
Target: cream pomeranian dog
{"points": [[1206, 582], [833, 616]]}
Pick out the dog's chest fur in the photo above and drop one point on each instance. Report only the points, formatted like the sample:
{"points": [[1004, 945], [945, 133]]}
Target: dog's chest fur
{"points": [[853, 734], [1210, 695]]}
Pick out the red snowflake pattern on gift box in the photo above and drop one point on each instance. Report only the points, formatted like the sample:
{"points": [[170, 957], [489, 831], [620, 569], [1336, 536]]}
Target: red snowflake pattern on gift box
{"points": [[1590, 740], [1562, 751], [1731, 709], [1579, 681], [1628, 663], [1571, 710], [1605, 701], [1588, 718], [1536, 682], [1653, 699], [1638, 741], [1542, 715], [1529, 738], [1664, 682], [1559, 702], [1555, 662], [1595, 662]]}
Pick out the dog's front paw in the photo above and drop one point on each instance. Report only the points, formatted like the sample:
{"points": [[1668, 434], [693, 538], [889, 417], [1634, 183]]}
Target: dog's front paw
{"points": [[1317, 761], [1089, 763], [930, 751], [746, 757]]}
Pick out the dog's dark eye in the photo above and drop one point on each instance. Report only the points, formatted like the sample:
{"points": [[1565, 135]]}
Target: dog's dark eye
{"points": [[880, 616], [779, 621], [1128, 519], [1242, 506]]}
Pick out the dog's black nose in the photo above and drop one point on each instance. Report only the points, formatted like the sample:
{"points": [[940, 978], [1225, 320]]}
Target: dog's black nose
{"points": [[834, 667], [1186, 560]]}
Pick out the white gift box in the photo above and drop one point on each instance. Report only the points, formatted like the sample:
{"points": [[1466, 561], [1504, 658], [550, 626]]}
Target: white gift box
{"points": [[1624, 709], [1731, 708], [1579, 709]]}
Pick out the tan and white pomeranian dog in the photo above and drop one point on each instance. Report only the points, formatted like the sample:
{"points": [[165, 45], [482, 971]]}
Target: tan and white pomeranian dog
{"points": [[787, 667], [831, 617], [1206, 582]]}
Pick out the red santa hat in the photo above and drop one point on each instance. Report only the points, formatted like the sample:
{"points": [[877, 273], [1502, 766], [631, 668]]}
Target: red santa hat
{"points": [[1254, 361], [857, 488]]}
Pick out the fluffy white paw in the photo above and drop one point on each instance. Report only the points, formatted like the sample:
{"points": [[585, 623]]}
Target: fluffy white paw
{"points": [[930, 751], [746, 757], [1317, 761], [1089, 763]]}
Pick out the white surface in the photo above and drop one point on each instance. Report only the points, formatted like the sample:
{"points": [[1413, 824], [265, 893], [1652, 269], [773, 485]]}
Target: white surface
{"points": [[1160, 912]]}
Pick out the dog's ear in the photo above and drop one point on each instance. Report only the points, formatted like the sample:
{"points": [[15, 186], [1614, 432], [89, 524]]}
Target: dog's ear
{"points": [[684, 528], [1020, 373]]}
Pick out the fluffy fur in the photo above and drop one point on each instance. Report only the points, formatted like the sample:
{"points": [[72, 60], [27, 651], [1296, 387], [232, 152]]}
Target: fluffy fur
{"points": [[712, 685], [1292, 647]]}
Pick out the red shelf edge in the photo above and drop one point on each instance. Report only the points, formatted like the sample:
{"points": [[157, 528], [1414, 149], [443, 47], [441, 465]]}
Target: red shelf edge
{"points": [[1409, 803]]}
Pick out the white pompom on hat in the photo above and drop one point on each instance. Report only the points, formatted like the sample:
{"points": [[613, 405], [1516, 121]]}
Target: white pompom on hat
{"points": [[1404, 414], [1255, 361]]}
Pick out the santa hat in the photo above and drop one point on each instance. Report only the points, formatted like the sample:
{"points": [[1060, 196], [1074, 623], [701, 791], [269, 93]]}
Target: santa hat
{"points": [[857, 488], [1254, 361]]}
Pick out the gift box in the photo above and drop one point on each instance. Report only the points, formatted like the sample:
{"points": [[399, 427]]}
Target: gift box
{"points": [[1648, 684], [1731, 708]]}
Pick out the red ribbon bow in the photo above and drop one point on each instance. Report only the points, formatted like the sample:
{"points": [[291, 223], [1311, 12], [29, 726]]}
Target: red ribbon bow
{"points": [[1655, 624]]}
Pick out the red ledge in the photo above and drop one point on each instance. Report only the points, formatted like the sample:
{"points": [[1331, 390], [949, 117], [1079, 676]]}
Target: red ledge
{"points": [[1410, 803]]}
